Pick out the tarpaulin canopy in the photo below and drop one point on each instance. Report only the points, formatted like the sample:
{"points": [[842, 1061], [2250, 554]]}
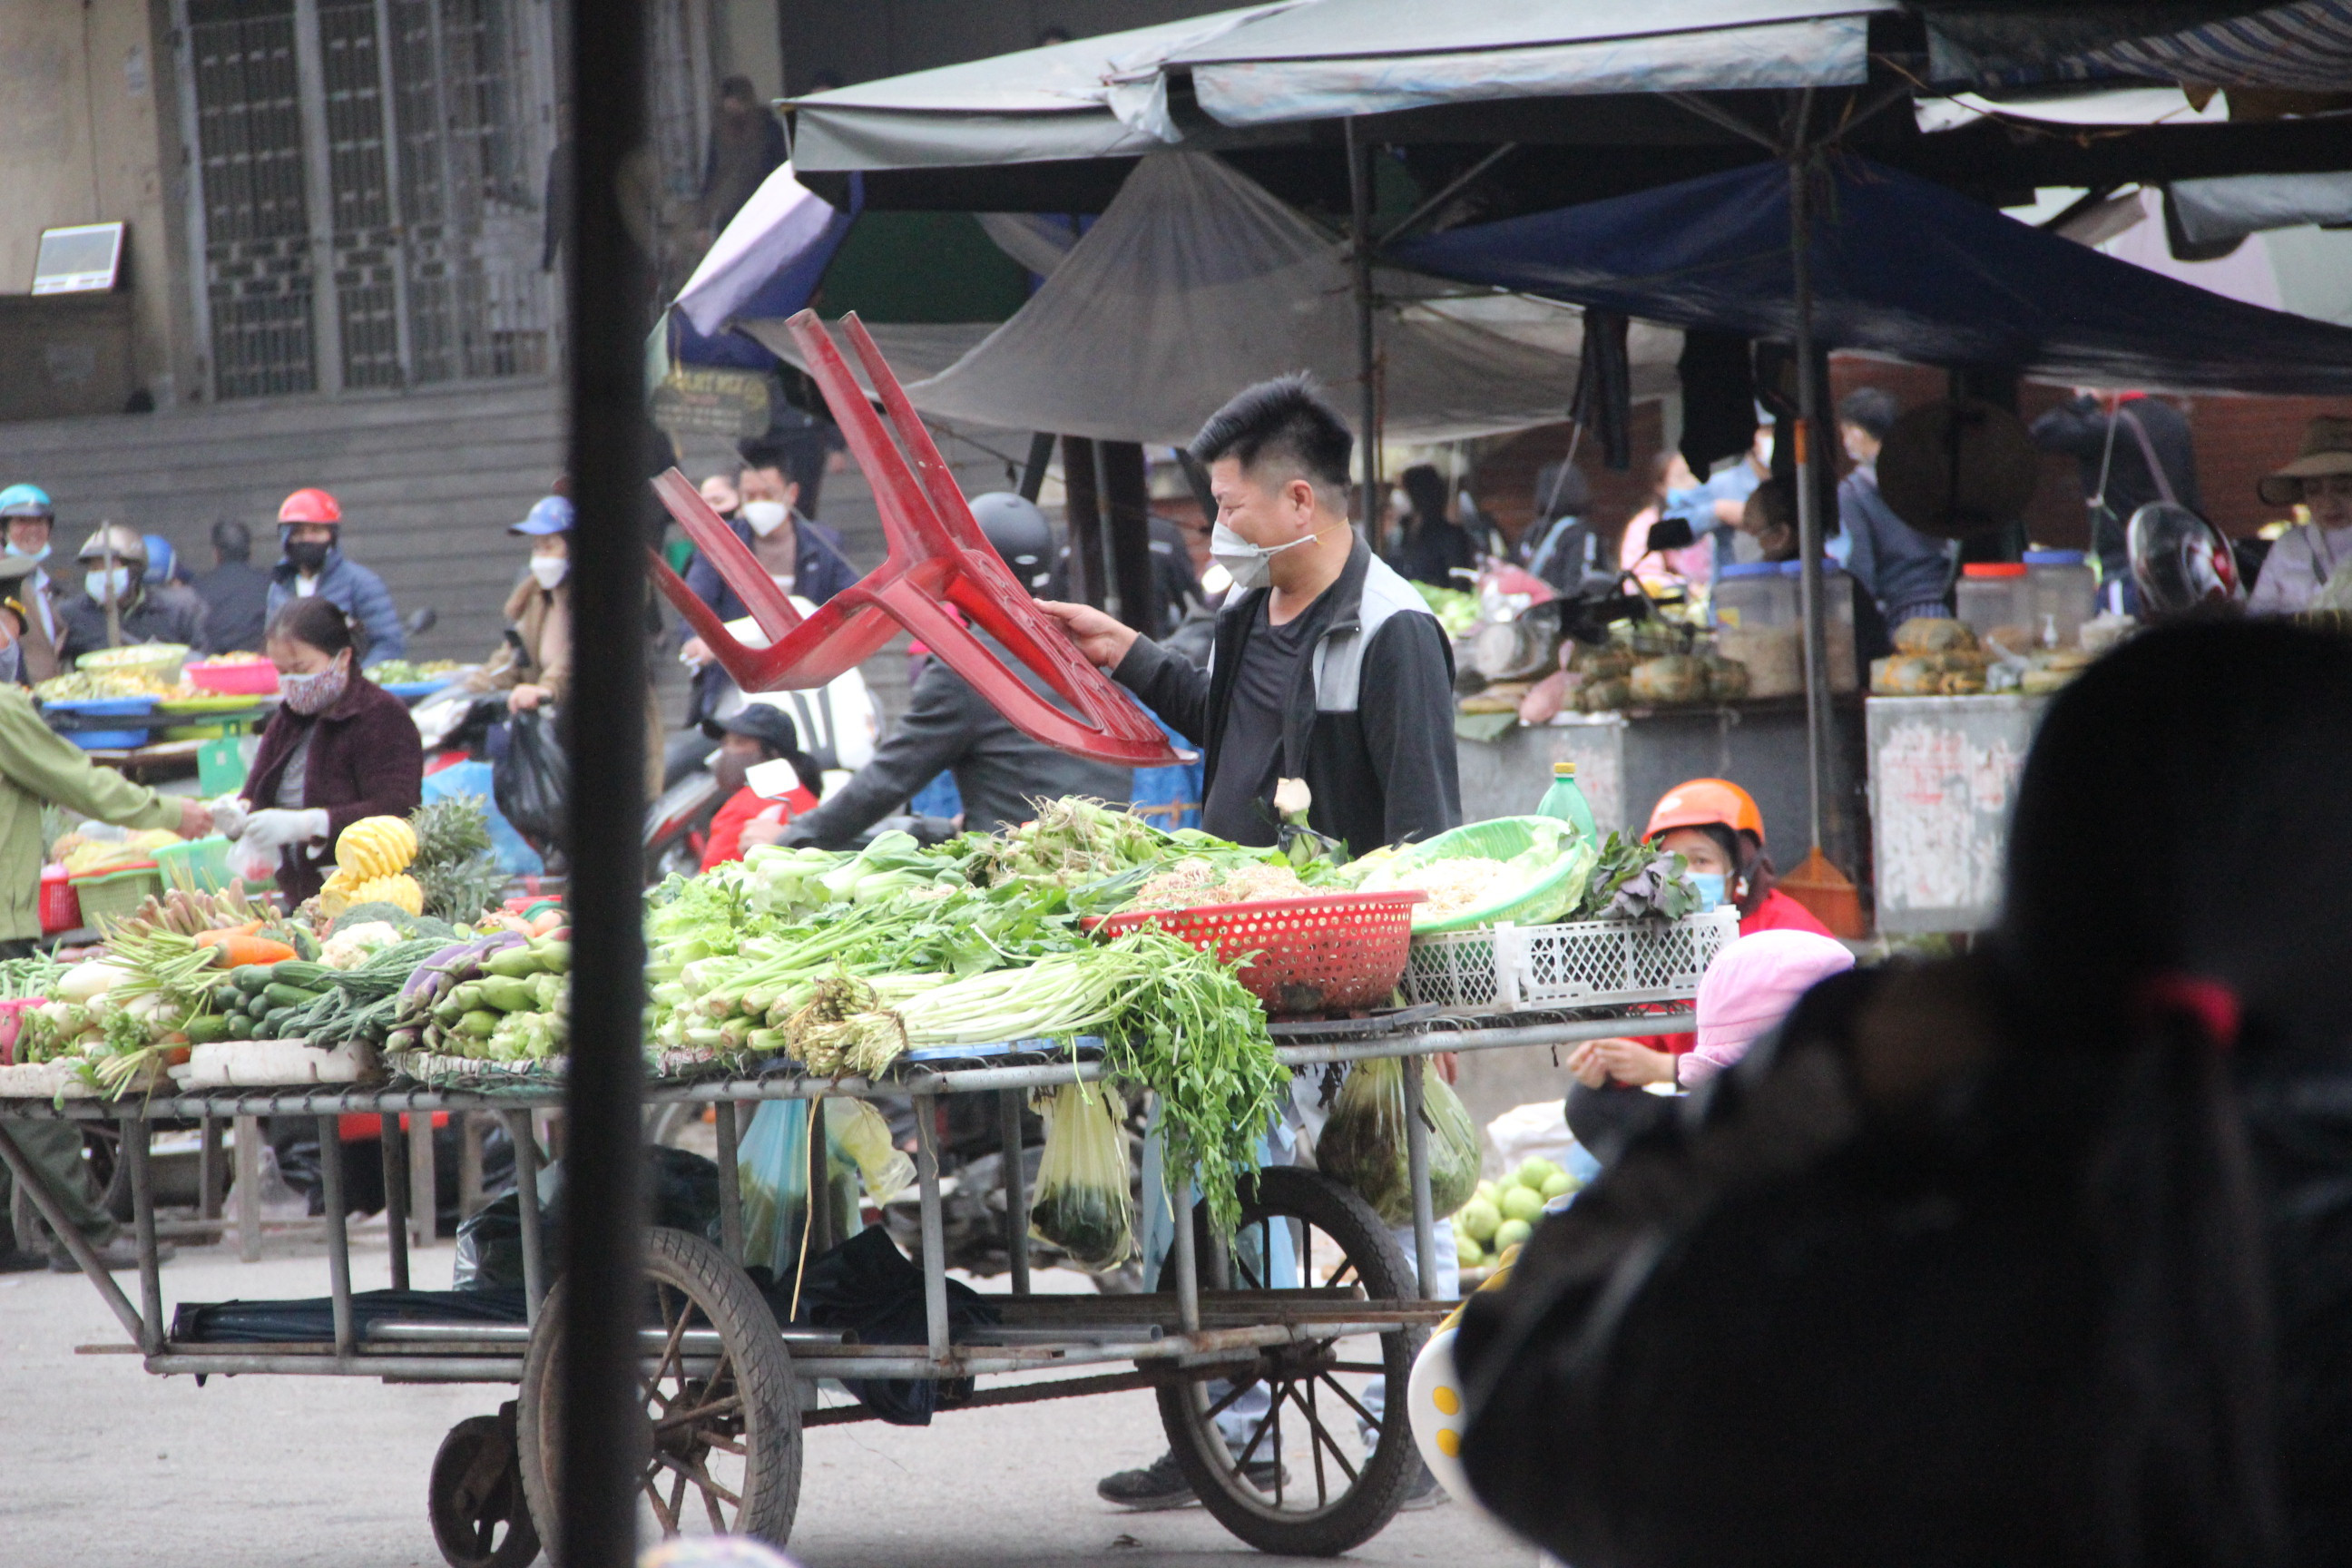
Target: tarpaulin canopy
{"points": [[1196, 283], [1901, 268], [771, 256], [2306, 47]]}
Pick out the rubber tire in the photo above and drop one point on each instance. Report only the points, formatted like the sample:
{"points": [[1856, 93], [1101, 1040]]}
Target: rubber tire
{"points": [[1365, 1509], [454, 1522], [763, 1370]]}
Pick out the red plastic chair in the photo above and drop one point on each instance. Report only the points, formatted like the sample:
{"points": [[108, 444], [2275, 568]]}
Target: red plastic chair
{"points": [[938, 556]]}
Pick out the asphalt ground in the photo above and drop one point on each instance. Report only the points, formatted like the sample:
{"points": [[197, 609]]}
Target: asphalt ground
{"points": [[108, 1466]]}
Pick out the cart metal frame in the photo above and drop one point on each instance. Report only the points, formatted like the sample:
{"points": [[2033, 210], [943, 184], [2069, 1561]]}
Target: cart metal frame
{"points": [[1161, 1337]]}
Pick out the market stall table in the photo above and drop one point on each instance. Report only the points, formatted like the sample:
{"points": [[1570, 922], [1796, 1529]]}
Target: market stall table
{"points": [[1225, 1313]]}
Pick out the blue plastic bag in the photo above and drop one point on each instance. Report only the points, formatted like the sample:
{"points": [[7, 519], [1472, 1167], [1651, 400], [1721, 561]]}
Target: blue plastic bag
{"points": [[516, 857]]}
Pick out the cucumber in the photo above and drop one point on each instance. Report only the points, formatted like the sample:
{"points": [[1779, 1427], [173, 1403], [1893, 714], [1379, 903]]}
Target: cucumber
{"points": [[285, 995], [273, 1026], [228, 997], [204, 1031], [250, 978], [299, 971]]}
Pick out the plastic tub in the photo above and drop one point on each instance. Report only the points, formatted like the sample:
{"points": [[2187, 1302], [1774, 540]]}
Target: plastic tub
{"points": [[1996, 601], [200, 863], [60, 907], [1837, 604], [256, 678], [1755, 611], [2065, 592], [159, 661], [111, 895], [12, 1021]]}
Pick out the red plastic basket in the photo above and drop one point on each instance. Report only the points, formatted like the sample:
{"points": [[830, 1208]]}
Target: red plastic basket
{"points": [[60, 905], [1333, 953]]}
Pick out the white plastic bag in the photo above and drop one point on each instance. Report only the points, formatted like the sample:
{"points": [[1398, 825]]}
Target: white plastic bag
{"points": [[1083, 1204]]}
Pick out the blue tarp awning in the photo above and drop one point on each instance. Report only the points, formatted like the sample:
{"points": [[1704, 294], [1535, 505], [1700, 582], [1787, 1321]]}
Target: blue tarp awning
{"points": [[1902, 267]]}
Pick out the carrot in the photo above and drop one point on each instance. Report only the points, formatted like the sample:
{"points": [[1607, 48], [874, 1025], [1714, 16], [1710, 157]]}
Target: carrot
{"points": [[212, 938], [236, 950]]}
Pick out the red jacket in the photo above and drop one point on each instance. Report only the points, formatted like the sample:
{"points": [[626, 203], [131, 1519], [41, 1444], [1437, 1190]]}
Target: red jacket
{"points": [[366, 761], [744, 806]]}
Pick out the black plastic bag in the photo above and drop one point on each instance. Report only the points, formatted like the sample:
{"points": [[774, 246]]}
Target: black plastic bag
{"points": [[868, 1285], [685, 1189], [529, 779]]}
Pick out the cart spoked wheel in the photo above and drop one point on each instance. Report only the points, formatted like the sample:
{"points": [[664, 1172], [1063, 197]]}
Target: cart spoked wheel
{"points": [[1304, 1452], [475, 1496], [722, 1432]]}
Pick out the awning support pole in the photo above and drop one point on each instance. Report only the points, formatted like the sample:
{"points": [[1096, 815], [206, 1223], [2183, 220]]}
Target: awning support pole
{"points": [[1368, 435], [1808, 511], [603, 1428]]}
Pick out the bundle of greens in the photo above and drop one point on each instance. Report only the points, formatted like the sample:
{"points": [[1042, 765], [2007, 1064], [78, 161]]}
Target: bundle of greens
{"points": [[1363, 1144], [1082, 1204], [1635, 880]]}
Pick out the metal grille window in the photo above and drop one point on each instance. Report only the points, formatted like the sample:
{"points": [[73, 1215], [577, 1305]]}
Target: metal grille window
{"points": [[398, 146], [251, 203]]}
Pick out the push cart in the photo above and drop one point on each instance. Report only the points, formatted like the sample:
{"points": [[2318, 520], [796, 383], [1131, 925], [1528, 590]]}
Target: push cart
{"points": [[1279, 1355]]}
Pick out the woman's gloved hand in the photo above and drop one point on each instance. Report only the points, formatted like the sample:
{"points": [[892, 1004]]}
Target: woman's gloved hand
{"points": [[228, 816], [278, 828]]}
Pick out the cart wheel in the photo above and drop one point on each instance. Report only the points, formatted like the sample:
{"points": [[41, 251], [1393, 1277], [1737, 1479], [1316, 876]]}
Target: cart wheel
{"points": [[475, 1496], [722, 1425], [1302, 1408]]}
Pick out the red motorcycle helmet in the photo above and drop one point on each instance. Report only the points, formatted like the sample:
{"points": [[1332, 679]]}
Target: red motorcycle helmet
{"points": [[310, 505]]}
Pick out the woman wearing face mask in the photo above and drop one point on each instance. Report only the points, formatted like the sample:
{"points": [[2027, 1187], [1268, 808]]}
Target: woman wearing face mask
{"points": [[338, 749], [534, 666], [1712, 825]]}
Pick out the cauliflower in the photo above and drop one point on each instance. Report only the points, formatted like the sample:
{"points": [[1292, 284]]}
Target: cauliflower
{"points": [[351, 947]]}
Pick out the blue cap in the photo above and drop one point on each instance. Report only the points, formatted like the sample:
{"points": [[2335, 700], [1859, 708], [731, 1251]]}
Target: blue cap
{"points": [[162, 559], [551, 514], [26, 500], [2054, 558]]}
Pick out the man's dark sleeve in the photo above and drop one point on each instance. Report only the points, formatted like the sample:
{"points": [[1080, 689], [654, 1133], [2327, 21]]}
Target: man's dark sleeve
{"points": [[929, 739], [1407, 712], [1862, 537], [1169, 686]]}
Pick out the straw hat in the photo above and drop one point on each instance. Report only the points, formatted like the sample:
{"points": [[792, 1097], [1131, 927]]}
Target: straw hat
{"points": [[2326, 449], [1959, 467]]}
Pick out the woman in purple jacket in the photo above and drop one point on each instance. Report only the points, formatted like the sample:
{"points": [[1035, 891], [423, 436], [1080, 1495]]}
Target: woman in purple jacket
{"points": [[338, 749]]}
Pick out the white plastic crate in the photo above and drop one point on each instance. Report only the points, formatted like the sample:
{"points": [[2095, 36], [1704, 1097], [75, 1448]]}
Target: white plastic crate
{"points": [[1591, 963]]}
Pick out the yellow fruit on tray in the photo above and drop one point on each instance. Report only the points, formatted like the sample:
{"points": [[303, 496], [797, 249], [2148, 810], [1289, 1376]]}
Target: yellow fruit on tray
{"points": [[375, 846], [399, 890]]}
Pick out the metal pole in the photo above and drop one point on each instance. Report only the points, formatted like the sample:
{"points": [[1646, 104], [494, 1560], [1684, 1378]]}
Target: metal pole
{"points": [[1360, 190], [602, 1416], [1808, 511], [819, 1218], [395, 1195], [527, 1210], [134, 1149], [1188, 1260], [339, 1240], [1416, 1159], [35, 1186], [423, 1183], [208, 1170], [935, 1250], [249, 1189], [731, 1189], [1016, 1185]]}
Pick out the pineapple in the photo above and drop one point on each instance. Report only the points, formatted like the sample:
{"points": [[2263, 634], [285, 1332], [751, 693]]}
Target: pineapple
{"points": [[454, 865]]}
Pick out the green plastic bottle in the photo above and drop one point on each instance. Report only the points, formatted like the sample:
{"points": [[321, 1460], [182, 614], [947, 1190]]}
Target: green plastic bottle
{"points": [[1565, 803]]}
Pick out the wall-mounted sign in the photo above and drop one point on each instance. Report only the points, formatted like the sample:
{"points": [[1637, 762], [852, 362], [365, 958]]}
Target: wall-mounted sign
{"points": [[82, 259], [729, 402]]}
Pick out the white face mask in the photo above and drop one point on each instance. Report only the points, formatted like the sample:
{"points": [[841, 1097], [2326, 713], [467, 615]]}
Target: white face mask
{"points": [[95, 583], [764, 516], [16, 549], [550, 569], [1250, 565]]}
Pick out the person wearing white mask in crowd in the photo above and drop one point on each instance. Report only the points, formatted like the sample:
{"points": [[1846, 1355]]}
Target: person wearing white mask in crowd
{"points": [[1328, 667], [29, 519], [533, 666], [803, 558], [115, 605]]}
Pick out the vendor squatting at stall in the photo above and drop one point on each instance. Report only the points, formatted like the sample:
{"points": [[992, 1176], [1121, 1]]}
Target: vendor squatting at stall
{"points": [[1328, 665]]}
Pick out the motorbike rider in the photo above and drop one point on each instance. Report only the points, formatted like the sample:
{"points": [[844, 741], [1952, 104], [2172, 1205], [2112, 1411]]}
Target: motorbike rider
{"points": [[309, 533], [29, 518], [948, 727], [115, 563]]}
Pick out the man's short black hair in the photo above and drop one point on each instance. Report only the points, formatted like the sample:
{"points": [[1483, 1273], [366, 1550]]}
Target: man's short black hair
{"points": [[232, 541], [759, 454], [1285, 419], [1872, 408]]}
